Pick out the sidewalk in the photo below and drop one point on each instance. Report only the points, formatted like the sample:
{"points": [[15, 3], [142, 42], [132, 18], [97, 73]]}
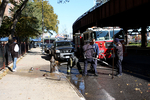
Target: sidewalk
{"points": [[38, 84]]}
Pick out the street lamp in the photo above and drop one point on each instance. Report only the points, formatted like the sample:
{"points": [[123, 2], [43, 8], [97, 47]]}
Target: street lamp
{"points": [[42, 28]]}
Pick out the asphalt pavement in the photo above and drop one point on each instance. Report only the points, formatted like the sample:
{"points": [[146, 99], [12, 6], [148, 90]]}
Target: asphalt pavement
{"points": [[36, 84], [39, 84], [131, 86]]}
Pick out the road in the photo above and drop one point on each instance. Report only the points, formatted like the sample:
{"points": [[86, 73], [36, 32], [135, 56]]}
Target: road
{"points": [[131, 86]]}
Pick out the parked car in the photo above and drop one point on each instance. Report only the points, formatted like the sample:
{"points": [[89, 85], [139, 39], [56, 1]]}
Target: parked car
{"points": [[47, 47], [62, 50]]}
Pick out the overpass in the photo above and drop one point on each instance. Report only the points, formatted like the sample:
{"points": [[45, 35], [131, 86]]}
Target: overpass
{"points": [[128, 14]]}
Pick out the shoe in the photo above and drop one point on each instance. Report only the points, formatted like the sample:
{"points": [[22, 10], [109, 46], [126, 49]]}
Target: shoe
{"points": [[91, 71], [14, 70], [95, 74], [119, 75]]}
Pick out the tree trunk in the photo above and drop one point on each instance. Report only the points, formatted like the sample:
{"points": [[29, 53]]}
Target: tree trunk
{"points": [[2, 10], [17, 16]]}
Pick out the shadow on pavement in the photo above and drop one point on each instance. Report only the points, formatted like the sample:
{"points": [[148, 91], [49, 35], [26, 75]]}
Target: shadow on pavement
{"points": [[46, 57], [134, 65]]}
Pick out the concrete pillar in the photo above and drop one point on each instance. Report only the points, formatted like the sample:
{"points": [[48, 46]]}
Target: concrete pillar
{"points": [[126, 36], [144, 36]]}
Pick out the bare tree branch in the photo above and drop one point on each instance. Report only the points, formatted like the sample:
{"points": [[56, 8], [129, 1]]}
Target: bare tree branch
{"points": [[62, 1]]}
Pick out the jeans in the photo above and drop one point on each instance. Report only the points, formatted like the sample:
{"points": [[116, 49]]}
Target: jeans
{"points": [[14, 63], [119, 65]]}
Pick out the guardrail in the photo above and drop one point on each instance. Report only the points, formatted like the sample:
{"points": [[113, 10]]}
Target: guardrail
{"points": [[5, 55]]}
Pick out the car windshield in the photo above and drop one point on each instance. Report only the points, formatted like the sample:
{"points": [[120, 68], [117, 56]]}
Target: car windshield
{"points": [[49, 45], [58, 44]]}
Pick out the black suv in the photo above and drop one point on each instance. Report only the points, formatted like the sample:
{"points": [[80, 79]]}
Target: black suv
{"points": [[62, 49]]}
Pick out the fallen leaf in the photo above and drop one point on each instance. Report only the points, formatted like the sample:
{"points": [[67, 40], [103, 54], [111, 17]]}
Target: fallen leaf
{"points": [[137, 89], [86, 93], [120, 91], [127, 84], [118, 84], [135, 80], [140, 84]]}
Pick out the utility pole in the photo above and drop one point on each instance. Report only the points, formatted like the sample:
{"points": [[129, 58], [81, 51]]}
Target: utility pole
{"points": [[42, 28]]}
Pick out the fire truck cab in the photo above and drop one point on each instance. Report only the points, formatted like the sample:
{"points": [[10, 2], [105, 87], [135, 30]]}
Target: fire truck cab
{"points": [[103, 37]]}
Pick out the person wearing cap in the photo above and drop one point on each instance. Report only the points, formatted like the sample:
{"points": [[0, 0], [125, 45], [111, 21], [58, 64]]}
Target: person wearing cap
{"points": [[88, 57], [119, 56]]}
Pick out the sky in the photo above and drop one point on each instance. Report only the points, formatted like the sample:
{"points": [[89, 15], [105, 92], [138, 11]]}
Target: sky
{"points": [[69, 12]]}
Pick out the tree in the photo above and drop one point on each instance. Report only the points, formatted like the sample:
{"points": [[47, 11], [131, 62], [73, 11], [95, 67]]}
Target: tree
{"points": [[17, 16], [28, 23], [50, 18], [2, 9]]}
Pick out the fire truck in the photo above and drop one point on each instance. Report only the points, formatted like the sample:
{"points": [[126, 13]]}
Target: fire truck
{"points": [[103, 37]]}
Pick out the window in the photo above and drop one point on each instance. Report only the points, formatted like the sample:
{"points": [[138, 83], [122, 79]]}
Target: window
{"points": [[102, 35], [58, 44]]}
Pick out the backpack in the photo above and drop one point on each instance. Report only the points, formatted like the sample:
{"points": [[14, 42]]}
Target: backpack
{"points": [[16, 48]]}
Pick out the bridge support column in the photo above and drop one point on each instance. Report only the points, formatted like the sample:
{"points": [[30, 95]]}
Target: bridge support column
{"points": [[126, 36], [144, 36]]}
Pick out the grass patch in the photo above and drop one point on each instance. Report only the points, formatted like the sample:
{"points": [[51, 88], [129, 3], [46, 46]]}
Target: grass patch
{"points": [[138, 44]]}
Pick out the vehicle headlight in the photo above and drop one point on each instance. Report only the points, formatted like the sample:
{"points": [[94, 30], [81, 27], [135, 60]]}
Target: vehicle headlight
{"points": [[57, 51]]}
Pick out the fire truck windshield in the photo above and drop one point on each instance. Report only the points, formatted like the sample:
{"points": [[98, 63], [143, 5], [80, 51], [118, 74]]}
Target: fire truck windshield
{"points": [[104, 35]]}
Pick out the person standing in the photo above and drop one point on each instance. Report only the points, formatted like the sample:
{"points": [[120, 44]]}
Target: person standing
{"points": [[88, 57], [96, 53], [119, 56], [14, 49]]}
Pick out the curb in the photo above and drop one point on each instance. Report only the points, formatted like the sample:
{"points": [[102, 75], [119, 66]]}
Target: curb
{"points": [[74, 88], [4, 72]]}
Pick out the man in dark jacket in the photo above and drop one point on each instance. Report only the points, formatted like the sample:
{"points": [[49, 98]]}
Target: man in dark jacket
{"points": [[119, 56], [96, 53], [88, 52], [14, 49]]}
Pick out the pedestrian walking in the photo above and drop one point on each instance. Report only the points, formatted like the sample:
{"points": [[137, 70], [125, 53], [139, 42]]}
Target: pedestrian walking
{"points": [[88, 52], [14, 49], [96, 54], [119, 56]]}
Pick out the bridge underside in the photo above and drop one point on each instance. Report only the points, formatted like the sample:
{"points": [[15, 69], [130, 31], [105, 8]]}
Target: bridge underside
{"points": [[127, 14]]}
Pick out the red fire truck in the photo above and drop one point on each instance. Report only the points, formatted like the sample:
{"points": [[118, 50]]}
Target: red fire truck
{"points": [[103, 37]]}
